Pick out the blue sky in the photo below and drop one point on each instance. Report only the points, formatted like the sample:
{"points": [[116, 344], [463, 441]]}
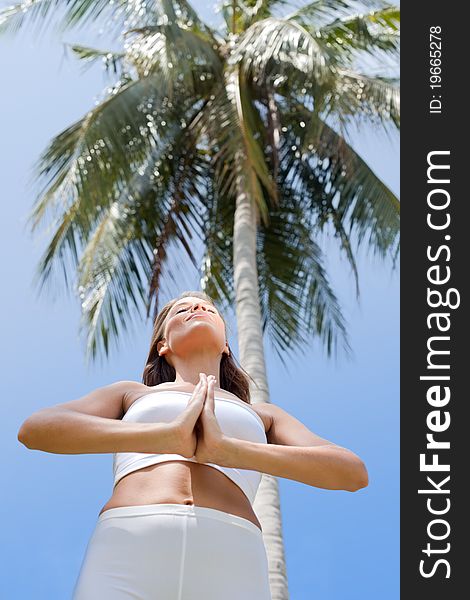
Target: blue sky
{"points": [[339, 545]]}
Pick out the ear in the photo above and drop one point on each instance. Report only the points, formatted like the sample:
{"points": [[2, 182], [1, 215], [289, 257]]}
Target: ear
{"points": [[226, 350], [162, 347]]}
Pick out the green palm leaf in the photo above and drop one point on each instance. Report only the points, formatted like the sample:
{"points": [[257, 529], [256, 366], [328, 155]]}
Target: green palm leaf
{"points": [[121, 249], [297, 301], [73, 13], [350, 194], [112, 60], [163, 47], [285, 48], [95, 155], [362, 98], [325, 11], [377, 30], [109, 278]]}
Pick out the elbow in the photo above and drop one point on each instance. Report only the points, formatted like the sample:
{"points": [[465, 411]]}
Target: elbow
{"points": [[24, 435], [360, 479], [35, 429]]}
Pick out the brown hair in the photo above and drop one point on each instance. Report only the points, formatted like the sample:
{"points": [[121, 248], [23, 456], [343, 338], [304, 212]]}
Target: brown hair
{"points": [[157, 370]]}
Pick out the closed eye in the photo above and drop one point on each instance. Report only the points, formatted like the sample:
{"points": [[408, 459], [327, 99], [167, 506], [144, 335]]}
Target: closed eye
{"points": [[181, 309]]}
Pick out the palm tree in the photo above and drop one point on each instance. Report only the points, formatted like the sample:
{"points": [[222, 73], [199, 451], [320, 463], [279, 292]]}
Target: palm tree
{"points": [[235, 136]]}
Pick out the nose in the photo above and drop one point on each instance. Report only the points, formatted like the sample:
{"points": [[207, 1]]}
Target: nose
{"points": [[197, 306]]}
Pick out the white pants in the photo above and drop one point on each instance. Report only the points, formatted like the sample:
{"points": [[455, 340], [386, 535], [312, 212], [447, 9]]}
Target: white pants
{"points": [[173, 552]]}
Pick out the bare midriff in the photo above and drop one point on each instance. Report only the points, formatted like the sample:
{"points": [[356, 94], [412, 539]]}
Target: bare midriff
{"points": [[181, 482]]}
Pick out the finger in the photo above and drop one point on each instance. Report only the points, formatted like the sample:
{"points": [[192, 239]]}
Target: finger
{"points": [[196, 392], [196, 401], [210, 401], [203, 379]]}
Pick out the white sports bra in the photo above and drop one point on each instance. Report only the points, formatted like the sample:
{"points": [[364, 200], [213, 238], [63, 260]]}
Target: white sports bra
{"points": [[236, 418]]}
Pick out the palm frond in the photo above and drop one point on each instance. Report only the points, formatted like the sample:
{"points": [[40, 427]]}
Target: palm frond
{"points": [[296, 299], [373, 32], [251, 11], [72, 13], [325, 11], [283, 49], [311, 190], [340, 186], [117, 282], [112, 61], [178, 53], [117, 14], [149, 193], [193, 21], [362, 98], [91, 157], [187, 207], [120, 254]]}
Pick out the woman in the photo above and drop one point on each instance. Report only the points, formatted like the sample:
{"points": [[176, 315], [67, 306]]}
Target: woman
{"points": [[188, 453]]}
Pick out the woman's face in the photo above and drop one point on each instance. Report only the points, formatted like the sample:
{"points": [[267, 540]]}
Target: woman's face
{"points": [[193, 323]]}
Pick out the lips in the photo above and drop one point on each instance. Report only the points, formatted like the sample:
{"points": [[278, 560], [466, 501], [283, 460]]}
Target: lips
{"points": [[198, 314]]}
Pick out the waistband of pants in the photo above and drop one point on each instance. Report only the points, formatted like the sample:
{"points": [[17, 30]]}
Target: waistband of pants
{"points": [[178, 509]]}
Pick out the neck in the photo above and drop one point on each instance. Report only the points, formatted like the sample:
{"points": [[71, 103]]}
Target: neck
{"points": [[187, 370]]}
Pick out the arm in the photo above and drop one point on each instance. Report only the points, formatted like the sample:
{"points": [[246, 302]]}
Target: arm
{"points": [[92, 424], [294, 452]]}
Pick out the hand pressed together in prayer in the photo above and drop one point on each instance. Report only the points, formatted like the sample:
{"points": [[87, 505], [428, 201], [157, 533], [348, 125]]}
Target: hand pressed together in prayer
{"points": [[212, 445]]}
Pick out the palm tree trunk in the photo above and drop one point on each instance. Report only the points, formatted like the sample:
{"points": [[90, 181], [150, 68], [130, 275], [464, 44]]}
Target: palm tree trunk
{"points": [[251, 352]]}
